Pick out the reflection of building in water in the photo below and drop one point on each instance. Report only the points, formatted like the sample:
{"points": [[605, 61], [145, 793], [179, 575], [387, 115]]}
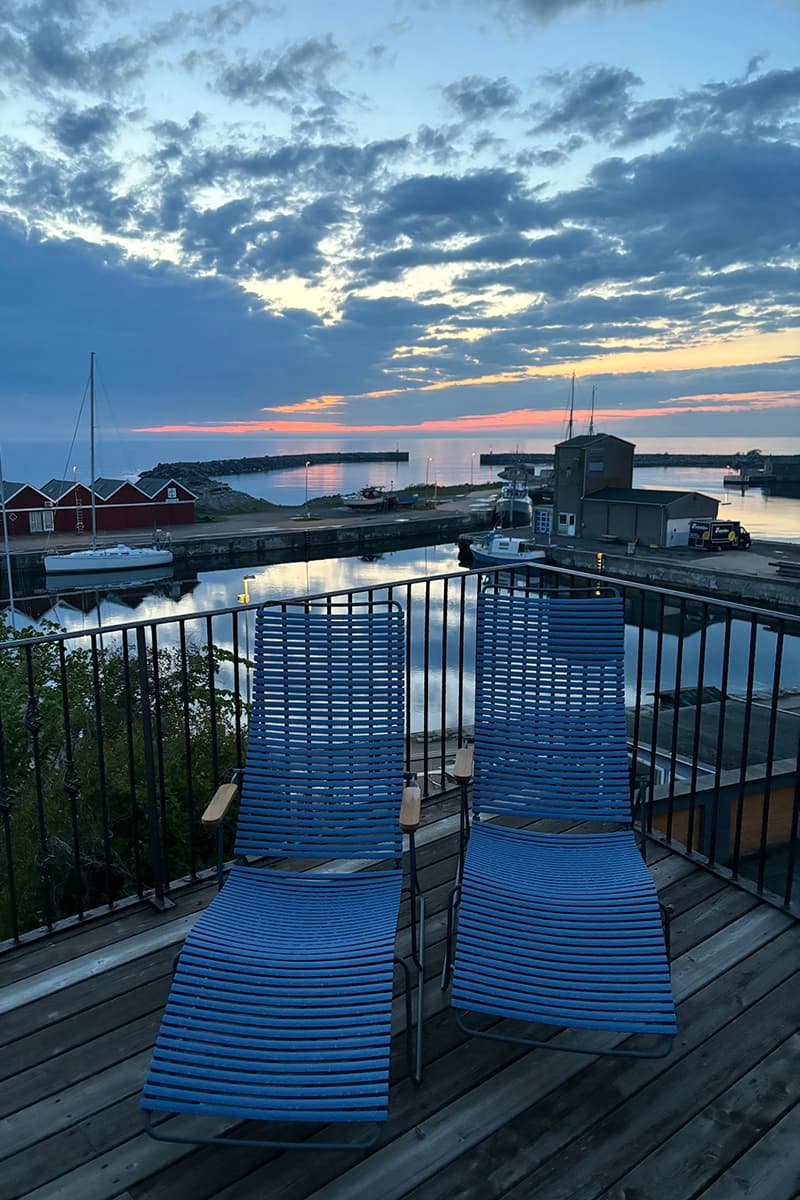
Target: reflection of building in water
{"points": [[75, 596]]}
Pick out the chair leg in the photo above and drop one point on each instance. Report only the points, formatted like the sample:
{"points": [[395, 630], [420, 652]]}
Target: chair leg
{"points": [[420, 965], [453, 899], [668, 1040], [161, 1134], [666, 919]]}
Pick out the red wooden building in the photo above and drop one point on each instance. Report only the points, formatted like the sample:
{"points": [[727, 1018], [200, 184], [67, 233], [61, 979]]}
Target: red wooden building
{"points": [[65, 506]]}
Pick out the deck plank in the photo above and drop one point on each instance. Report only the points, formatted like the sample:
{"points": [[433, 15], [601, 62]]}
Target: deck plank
{"points": [[73, 1064], [569, 1134], [770, 1168]]}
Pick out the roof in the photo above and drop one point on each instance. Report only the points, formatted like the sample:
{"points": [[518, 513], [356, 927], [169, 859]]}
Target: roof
{"points": [[591, 439], [9, 489], [642, 495], [56, 488], [105, 488], [151, 486]]}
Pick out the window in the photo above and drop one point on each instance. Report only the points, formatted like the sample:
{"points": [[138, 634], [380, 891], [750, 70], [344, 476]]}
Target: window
{"points": [[542, 520], [566, 524], [41, 521], [172, 493]]}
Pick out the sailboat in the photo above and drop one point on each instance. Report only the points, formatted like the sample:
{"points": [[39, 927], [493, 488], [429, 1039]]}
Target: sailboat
{"points": [[100, 559]]}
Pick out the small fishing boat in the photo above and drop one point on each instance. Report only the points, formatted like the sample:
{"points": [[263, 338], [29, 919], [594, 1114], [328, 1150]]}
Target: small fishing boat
{"points": [[514, 506], [105, 558], [371, 498], [497, 548]]}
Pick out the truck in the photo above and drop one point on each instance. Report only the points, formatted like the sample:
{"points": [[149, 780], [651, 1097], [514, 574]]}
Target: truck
{"points": [[710, 534]]}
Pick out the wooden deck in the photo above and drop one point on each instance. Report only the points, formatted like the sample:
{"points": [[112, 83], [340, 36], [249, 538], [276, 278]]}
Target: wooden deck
{"points": [[718, 1119]]}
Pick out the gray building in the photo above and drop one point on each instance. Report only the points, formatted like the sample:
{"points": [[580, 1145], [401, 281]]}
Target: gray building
{"points": [[654, 518], [593, 496]]}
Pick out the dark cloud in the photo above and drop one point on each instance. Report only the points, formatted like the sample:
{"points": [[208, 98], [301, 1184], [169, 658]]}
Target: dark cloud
{"points": [[77, 129], [591, 101], [295, 74], [429, 208], [549, 10], [475, 97]]}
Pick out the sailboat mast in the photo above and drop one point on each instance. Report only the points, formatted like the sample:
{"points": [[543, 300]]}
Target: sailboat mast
{"points": [[571, 406], [91, 449], [591, 418]]}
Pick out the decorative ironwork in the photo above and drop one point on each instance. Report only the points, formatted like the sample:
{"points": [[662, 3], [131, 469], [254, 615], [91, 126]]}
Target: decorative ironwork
{"points": [[71, 781], [33, 716]]}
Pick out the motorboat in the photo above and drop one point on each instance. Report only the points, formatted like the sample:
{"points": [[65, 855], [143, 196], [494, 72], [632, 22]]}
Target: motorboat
{"points": [[497, 548], [370, 498], [514, 505]]}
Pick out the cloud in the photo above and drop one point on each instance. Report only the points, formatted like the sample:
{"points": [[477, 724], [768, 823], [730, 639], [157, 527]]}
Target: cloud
{"points": [[589, 101], [475, 97], [549, 10], [77, 130], [298, 73]]}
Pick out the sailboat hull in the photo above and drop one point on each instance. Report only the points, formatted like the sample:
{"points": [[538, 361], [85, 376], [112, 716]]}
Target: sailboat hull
{"points": [[107, 558]]}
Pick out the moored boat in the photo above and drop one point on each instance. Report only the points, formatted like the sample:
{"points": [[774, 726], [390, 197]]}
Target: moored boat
{"points": [[371, 497], [514, 505], [105, 558], [498, 548]]}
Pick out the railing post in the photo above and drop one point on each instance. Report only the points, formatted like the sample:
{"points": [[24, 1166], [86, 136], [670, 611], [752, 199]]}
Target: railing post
{"points": [[158, 898]]}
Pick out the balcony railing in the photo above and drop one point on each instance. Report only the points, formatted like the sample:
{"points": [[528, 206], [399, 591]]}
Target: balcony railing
{"points": [[112, 739]]}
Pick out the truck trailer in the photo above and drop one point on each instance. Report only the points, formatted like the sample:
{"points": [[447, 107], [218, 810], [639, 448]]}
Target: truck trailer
{"points": [[718, 535]]}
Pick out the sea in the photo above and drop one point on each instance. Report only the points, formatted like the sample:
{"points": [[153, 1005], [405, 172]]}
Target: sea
{"points": [[443, 461]]}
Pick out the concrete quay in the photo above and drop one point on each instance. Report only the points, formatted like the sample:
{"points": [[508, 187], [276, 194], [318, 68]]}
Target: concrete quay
{"points": [[252, 537], [744, 576]]}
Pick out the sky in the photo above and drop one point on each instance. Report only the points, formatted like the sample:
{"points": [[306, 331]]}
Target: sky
{"points": [[401, 217]]}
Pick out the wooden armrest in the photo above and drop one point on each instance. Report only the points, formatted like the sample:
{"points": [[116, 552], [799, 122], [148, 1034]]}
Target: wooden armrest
{"points": [[410, 809], [462, 770], [219, 804]]}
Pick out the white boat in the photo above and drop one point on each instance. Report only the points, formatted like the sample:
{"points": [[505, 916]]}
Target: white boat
{"points": [[498, 548], [102, 559], [368, 498], [514, 505]]}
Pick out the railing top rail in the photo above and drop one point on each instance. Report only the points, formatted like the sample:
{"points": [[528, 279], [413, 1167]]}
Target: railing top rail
{"points": [[747, 611]]}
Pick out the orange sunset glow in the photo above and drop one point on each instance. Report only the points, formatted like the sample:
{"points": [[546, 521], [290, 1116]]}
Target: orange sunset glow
{"points": [[515, 419]]}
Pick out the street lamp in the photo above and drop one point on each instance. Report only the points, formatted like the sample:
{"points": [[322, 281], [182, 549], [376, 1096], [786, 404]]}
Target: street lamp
{"points": [[244, 598], [308, 464], [472, 469], [428, 471]]}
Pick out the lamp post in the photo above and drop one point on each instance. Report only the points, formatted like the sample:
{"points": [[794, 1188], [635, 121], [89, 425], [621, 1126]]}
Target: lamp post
{"points": [[428, 471], [244, 598], [308, 464], [472, 469], [491, 463]]}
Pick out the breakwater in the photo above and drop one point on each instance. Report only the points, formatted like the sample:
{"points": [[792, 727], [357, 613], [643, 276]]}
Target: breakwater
{"points": [[270, 462], [639, 460]]}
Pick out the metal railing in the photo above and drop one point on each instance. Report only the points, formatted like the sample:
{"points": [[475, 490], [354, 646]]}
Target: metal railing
{"points": [[113, 739]]}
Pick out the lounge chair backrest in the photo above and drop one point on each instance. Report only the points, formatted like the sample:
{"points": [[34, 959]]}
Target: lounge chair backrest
{"points": [[324, 770], [550, 738]]}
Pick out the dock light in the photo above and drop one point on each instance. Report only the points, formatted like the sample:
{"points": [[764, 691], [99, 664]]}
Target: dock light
{"points": [[428, 471], [600, 560], [472, 469], [308, 464]]}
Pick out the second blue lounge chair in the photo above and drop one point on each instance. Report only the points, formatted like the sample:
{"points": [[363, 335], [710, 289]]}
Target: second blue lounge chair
{"points": [[557, 929]]}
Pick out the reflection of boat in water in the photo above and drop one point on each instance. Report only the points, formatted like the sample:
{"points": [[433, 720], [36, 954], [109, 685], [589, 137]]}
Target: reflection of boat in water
{"points": [[498, 548], [94, 580], [106, 558], [514, 506], [371, 498]]}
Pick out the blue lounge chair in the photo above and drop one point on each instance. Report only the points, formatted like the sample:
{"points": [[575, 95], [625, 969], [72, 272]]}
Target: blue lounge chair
{"points": [[560, 929], [281, 1003]]}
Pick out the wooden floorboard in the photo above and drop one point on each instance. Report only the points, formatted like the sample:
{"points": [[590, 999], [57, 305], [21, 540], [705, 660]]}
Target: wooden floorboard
{"points": [[491, 1120]]}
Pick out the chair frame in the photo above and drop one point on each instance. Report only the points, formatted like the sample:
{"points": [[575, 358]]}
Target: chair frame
{"points": [[640, 802], [216, 816]]}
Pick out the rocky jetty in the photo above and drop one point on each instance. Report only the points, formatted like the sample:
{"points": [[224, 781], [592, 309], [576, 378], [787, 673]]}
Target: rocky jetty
{"points": [[213, 496]]}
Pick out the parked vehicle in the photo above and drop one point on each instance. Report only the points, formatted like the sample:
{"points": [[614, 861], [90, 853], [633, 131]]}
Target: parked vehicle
{"points": [[718, 535]]}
